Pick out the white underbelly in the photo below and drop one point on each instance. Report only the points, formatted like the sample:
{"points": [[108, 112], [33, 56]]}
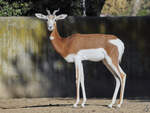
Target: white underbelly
{"points": [[87, 54]]}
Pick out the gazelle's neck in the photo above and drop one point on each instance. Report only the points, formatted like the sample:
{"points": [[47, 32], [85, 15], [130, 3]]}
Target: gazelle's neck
{"points": [[55, 34], [57, 41]]}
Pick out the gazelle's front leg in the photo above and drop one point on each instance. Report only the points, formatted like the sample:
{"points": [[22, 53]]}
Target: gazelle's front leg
{"points": [[82, 84], [78, 79]]}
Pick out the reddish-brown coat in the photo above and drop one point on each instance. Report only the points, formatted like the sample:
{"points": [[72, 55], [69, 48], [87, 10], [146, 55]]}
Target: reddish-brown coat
{"points": [[76, 42]]}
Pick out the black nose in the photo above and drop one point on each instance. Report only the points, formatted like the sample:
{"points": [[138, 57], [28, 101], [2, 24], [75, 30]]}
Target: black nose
{"points": [[49, 27]]}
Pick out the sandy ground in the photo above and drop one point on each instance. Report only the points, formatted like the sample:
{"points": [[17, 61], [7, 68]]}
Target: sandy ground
{"points": [[64, 105]]}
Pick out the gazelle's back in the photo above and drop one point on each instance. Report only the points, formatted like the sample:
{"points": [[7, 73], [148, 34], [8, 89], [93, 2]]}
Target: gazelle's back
{"points": [[77, 42]]}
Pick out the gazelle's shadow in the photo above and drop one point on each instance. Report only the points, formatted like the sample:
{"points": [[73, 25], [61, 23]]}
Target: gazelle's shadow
{"points": [[63, 105], [49, 105], [38, 106], [53, 105]]}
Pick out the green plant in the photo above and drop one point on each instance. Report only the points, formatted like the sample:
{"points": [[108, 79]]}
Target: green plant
{"points": [[15, 8]]}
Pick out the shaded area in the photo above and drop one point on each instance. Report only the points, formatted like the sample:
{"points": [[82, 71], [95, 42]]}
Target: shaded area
{"points": [[29, 66]]}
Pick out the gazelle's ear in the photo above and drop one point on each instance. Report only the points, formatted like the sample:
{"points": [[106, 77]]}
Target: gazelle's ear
{"points": [[41, 16], [62, 16]]}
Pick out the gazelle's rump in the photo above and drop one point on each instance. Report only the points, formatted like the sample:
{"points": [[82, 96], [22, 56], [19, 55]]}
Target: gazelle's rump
{"points": [[120, 46]]}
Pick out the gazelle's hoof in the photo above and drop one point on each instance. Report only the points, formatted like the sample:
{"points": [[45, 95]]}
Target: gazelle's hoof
{"points": [[110, 105], [119, 105], [82, 105], [75, 106]]}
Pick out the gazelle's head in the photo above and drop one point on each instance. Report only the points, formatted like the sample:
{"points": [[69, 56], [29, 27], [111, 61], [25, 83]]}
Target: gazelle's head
{"points": [[51, 18]]}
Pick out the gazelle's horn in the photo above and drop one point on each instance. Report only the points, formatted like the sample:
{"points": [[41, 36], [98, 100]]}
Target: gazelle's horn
{"points": [[55, 11], [48, 11]]}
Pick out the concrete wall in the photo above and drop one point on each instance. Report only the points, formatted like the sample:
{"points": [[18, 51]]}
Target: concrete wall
{"points": [[20, 38]]}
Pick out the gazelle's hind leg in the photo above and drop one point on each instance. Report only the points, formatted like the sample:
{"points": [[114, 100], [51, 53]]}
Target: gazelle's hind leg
{"points": [[117, 83], [123, 82], [113, 66]]}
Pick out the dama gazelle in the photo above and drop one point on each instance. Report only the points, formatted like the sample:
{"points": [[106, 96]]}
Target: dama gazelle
{"points": [[93, 47]]}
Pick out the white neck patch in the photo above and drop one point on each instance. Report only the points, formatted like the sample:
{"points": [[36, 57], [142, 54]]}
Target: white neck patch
{"points": [[51, 38]]}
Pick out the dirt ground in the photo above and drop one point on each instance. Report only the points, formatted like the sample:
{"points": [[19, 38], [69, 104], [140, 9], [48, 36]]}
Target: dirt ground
{"points": [[64, 105]]}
